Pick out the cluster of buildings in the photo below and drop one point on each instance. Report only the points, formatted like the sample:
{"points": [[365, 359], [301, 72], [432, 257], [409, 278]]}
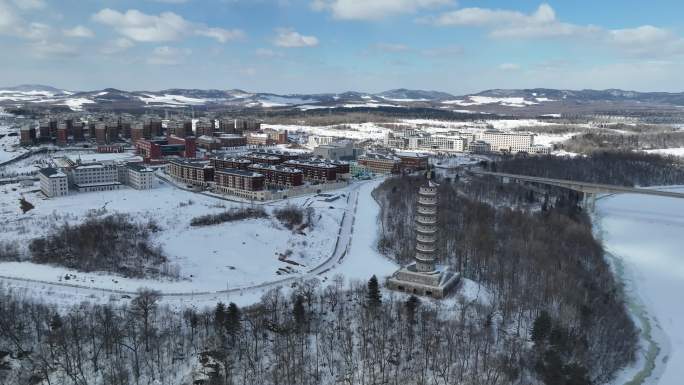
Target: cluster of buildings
{"points": [[260, 175], [474, 141], [69, 175]]}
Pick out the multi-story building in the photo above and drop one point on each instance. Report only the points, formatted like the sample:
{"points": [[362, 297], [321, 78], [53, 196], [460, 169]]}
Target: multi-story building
{"points": [[413, 162], [220, 162], [380, 163], [53, 182], [339, 150], [279, 176], [265, 158], [27, 135], [320, 170], [152, 150], [242, 183], [77, 131], [232, 140], [191, 172], [445, 143], [139, 176], [479, 147], [94, 177], [62, 133], [508, 141]]}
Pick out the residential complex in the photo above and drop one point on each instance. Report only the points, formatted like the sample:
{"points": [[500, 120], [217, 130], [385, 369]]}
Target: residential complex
{"points": [[53, 182]]}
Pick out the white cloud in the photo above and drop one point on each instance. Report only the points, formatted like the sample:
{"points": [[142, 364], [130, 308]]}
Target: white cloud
{"points": [[79, 31], [117, 45], [509, 67], [267, 53], [29, 4], [44, 48], [374, 9], [289, 38], [221, 35], [167, 26], [390, 47], [165, 55], [513, 24]]}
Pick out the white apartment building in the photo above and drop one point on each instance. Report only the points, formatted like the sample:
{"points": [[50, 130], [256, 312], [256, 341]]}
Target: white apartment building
{"points": [[446, 143], [508, 141], [53, 183], [139, 176], [94, 177]]}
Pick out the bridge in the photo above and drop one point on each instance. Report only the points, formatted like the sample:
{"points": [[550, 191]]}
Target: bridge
{"points": [[590, 190]]}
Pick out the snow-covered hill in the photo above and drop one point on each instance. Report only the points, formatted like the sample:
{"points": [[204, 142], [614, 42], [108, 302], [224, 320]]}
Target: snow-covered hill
{"points": [[497, 100]]}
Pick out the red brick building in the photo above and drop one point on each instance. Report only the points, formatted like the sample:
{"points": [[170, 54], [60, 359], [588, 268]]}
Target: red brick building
{"points": [[242, 183], [157, 149], [191, 172], [278, 175], [380, 164], [319, 170], [413, 162], [230, 162]]}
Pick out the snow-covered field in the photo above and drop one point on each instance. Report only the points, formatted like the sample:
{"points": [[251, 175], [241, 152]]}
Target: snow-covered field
{"points": [[644, 234], [668, 151], [9, 145], [220, 257], [359, 131]]}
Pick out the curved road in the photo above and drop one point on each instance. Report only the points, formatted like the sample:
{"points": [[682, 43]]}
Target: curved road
{"points": [[344, 237]]}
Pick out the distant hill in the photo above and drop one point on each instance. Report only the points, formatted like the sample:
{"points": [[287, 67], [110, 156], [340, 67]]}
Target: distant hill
{"points": [[499, 101]]}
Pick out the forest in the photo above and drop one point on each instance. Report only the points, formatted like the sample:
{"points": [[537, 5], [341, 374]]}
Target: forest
{"points": [[550, 313], [624, 168], [537, 257], [114, 243], [606, 140]]}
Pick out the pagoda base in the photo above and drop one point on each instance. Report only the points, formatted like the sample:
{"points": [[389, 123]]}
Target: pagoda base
{"points": [[435, 284]]}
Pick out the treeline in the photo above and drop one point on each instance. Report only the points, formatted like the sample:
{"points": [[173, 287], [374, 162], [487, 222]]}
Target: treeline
{"points": [[115, 243], [235, 214], [589, 142], [542, 259], [334, 335], [624, 168]]}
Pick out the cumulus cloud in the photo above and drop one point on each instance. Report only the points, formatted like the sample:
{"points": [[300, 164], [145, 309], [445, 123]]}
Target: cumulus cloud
{"points": [[167, 26], [373, 9], [289, 38], [644, 40], [78, 31], [116, 46], [513, 24]]}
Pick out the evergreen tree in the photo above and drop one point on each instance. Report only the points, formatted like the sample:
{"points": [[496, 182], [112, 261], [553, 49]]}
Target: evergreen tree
{"points": [[374, 297], [412, 305], [299, 312], [220, 316], [541, 328], [233, 322]]}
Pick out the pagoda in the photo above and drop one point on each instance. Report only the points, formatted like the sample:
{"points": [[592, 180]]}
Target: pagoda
{"points": [[424, 276]]}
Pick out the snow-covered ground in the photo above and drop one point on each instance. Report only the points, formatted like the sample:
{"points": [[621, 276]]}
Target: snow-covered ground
{"points": [[220, 257], [9, 145], [360, 131], [668, 151], [644, 235]]}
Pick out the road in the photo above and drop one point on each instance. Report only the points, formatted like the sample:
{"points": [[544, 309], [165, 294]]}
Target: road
{"points": [[344, 238]]}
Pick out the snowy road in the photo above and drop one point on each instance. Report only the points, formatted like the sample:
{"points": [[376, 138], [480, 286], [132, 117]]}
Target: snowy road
{"points": [[644, 235]]}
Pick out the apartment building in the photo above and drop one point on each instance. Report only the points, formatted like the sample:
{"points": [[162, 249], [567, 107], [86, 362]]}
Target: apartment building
{"points": [[88, 177], [242, 183], [279, 176], [410, 162], [53, 182], [139, 176], [508, 141], [191, 172], [220, 162], [380, 163], [320, 170]]}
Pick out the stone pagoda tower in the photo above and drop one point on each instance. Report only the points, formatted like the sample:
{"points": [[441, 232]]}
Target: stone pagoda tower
{"points": [[425, 276]]}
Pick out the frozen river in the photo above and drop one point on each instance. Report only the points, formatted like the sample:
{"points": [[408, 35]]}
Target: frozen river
{"points": [[645, 235]]}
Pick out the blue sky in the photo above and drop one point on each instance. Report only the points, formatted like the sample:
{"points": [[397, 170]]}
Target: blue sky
{"points": [[291, 46]]}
